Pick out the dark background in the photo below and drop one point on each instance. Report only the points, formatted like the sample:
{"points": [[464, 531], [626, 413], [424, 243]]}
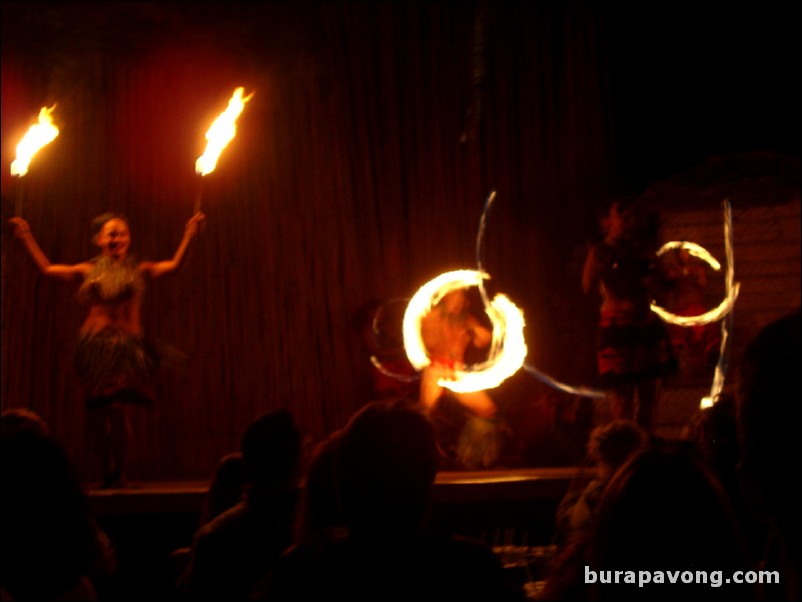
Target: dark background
{"points": [[359, 171]]}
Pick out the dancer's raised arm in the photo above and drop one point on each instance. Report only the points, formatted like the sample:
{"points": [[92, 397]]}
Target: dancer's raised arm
{"points": [[57, 270], [159, 268]]}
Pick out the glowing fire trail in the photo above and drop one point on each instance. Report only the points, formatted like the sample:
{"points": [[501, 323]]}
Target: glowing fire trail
{"points": [[710, 316], [507, 347], [581, 391], [727, 322], [723, 312], [407, 378], [508, 322]]}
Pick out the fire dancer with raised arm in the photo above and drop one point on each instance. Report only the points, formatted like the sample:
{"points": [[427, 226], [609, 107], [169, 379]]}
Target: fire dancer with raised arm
{"points": [[114, 360]]}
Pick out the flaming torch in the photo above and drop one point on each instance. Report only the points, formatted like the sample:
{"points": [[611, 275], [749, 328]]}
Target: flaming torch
{"points": [[219, 134], [37, 136]]}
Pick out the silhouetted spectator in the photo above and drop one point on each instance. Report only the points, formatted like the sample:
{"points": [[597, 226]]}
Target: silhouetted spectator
{"points": [[52, 547], [232, 551], [320, 505], [386, 460], [665, 511], [713, 433], [768, 421], [226, 489], [609, 446], [19, 420]]}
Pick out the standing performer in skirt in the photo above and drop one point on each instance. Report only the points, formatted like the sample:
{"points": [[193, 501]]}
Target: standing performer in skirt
{"points": [[114, 361], [634, 349]]}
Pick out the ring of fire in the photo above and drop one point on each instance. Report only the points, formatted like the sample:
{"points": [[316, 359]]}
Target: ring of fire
{"points": [[710, 316], [507, 349]]}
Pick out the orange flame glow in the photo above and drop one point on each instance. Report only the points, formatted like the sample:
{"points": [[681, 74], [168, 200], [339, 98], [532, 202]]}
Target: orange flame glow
{"points": [[507, 350], [221, 132], [37, 136]]}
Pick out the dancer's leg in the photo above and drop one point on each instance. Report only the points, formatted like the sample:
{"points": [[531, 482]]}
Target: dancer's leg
{"points": [[478, 402], [110, 430]]}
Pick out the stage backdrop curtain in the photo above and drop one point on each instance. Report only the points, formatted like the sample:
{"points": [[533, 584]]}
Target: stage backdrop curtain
{"points": [[360, 170]]}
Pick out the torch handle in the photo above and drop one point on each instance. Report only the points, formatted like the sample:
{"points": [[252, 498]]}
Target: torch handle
{"points": [[199, 195], [18, 200]]}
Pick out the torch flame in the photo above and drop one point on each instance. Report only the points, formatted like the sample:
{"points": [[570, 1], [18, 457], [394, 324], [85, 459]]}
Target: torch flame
{"points": [[221, 132], [38, 135]]}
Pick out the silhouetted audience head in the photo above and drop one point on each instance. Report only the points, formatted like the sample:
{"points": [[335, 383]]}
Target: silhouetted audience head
{"points": [[768, 415], [15, 420], [320, 505], [613, 443], [768, 384], [608, 447], [271, 449], [232, 552], [713, 432], [385, 460], [50, 542], [226, 487], [385, 466], [664, 511]]}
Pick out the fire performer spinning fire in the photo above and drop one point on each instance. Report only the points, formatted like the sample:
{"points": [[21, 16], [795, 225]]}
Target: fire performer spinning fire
{"points": [[114, 360], [448, 331]]}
